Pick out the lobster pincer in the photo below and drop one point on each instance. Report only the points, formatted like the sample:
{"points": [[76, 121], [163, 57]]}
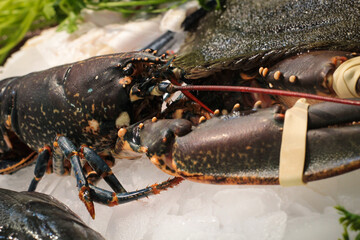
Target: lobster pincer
{"points": [[155, 138], [244, 148]]}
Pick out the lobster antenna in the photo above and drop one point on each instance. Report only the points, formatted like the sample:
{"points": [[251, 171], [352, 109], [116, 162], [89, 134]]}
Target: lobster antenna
{"points": [[175, 83], [265, 91], [168, 63]]}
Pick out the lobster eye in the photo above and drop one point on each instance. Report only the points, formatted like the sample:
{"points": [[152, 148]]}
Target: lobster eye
{"points": [[129, 69]]}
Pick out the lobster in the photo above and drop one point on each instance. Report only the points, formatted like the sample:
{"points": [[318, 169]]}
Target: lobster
{"points": [[32, 215], [66, 113], [78, 108]]}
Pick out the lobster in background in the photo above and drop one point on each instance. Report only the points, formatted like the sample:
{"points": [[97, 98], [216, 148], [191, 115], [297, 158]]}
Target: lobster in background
{"points": [[31, 215]]}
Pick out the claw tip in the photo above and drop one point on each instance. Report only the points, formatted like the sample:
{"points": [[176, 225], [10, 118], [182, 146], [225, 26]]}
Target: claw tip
{"points": [[84, 195]]}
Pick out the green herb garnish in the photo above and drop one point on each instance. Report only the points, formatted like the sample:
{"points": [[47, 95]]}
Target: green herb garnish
{"points": [[349, 221]]}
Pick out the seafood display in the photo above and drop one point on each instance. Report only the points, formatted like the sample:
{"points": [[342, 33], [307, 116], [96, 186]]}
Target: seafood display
{"points": [[89, 101]]}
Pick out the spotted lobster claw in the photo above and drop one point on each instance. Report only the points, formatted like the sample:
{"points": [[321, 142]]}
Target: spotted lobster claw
{"points": [[155, 138], [319, 72], [245, 149]]}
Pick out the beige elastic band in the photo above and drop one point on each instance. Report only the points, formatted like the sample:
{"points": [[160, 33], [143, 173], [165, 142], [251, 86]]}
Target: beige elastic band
{"points": [[346, 77], [293, 145]]}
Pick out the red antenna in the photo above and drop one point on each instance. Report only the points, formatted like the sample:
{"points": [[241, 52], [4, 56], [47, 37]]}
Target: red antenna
{"points": [[189, 95], [265, 91]]}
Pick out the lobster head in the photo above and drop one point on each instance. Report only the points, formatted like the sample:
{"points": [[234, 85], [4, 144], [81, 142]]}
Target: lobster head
{"points": [[118, 81]]}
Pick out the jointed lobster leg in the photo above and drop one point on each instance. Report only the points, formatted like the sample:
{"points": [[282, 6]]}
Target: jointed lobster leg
{"points": [[89, 193], [40, 167], [111, 199], [102, 169], [95, 161], [68, 149]]}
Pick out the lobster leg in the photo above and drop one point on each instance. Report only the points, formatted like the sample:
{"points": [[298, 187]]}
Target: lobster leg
{"points": [[98, 164], [40, 167], [68, 149], [102, 169], [95, 161], [111, 199]]}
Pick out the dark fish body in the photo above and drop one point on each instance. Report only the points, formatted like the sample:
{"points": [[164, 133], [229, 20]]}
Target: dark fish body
{"points": [[251, 33]]}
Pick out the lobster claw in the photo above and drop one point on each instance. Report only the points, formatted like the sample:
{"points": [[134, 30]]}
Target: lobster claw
{"points": [[155, 138], [245, 149]]}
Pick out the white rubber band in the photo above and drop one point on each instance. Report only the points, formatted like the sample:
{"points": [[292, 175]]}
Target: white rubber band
{"points": [[346, 77], [293, 145]]}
